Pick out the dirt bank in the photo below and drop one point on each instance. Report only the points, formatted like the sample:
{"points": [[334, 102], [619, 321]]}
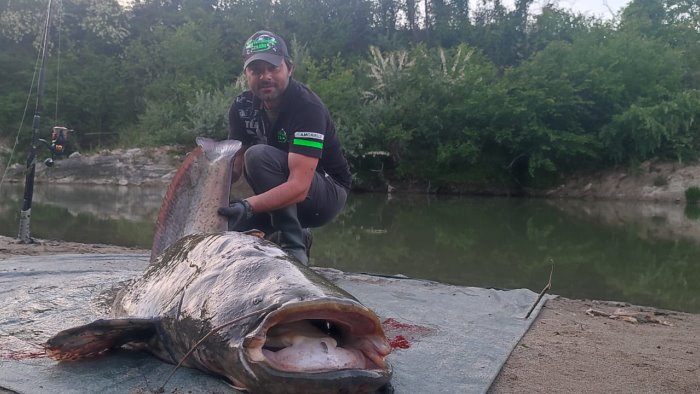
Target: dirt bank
{"points": [[650, 181], [566, 350], [136, 166]]}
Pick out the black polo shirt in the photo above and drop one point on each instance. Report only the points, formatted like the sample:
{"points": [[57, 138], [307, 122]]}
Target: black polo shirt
{"points": [[303, 126]]}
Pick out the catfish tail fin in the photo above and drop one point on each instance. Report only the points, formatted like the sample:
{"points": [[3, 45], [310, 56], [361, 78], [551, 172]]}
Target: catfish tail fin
{"points": [[200, 186], [216, 150]]}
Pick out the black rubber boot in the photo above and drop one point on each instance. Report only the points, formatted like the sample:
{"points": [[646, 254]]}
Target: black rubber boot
{"points": [[308, 239], [291, 237]]}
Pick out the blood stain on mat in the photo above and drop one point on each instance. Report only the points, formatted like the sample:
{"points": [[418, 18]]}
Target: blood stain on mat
{"points": [[402, 335], [22, 355], [399, 342]]}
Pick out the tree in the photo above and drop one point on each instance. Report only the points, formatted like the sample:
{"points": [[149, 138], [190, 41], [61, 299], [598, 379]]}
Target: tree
{"points": [[327, 27], [85, 38], [171, 66], [386, 15], [555, 24], [663, 129], [645, 16], [431, 110], [412, 19]]}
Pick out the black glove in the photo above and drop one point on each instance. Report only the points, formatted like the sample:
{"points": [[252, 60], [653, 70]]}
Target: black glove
{"points": [[236, 212]]}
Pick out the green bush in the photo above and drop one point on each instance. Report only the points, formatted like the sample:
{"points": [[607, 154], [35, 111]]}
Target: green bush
{"points": [[692, 212], [207, 115], [692, 195]]}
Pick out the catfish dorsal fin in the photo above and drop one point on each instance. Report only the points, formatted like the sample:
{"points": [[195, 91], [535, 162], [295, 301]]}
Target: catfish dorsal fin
{"points": [[93, 339]]}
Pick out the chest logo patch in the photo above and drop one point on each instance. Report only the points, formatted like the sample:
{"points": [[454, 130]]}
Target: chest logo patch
{"points": [[282, 136]]}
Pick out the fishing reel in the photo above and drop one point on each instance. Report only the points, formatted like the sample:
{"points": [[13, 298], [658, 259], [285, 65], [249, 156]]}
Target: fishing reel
{"points": [[57, 146]]}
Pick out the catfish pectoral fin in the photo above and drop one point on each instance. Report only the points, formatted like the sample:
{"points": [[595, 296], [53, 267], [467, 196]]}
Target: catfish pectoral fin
{"points": [[98, 337]]}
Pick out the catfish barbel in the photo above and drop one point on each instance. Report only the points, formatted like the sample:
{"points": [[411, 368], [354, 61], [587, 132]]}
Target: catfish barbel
{"points": [[293, 331]]}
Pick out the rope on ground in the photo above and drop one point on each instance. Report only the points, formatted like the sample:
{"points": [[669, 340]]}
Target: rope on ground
{"points": [[547, 287]]}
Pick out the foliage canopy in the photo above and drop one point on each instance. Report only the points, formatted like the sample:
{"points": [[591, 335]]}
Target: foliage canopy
{"points": [[460, 98]]}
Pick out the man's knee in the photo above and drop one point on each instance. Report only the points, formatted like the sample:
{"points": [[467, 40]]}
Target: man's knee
{"points": [[265, 167], [255, 155], [265, 156]]}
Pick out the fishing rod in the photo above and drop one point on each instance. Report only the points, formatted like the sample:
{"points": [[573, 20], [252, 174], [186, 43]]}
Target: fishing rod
{"points": [[25, 213]]}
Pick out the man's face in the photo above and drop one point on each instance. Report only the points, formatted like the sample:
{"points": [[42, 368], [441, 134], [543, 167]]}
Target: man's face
{"points": [[266, 80]]}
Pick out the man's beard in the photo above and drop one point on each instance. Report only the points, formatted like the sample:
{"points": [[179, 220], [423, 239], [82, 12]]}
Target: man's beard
{"points": [[270, 95]]}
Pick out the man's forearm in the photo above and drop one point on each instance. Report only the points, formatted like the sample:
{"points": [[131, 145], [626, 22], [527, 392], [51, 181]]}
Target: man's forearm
{"points": [[293, 191]]}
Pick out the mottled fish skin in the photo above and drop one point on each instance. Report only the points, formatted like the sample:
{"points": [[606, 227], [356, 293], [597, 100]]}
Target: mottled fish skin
{"points": [[298, 333], [206, 280], [201, 185]]}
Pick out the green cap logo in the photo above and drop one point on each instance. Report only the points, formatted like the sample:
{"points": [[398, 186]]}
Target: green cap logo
{"points": [[261, 43]]}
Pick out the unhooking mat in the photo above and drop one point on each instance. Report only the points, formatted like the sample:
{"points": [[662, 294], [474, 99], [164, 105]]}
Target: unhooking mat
{"points": [[446, 339]]}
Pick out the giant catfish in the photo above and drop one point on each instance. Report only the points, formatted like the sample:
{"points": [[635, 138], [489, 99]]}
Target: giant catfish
{"points": [[250, 312]]}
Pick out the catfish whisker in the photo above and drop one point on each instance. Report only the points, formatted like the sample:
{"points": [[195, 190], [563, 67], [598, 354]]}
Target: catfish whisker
{"points": [[210, 333]]}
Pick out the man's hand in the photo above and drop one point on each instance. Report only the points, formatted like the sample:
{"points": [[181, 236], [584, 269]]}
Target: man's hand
{"points": [[237, 211]]}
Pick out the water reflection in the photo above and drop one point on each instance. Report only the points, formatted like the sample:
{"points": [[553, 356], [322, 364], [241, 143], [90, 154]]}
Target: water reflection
{"points": [[103, 202], [641, 253], [650, 220], [94, 214], [506, 243]]}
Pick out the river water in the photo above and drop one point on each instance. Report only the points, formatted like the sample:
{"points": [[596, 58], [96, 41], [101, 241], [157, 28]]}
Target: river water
{"points": [[642, 253]]}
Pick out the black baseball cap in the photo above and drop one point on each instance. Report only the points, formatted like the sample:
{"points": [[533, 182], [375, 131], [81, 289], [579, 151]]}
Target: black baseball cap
{"points": [[264, 45]]}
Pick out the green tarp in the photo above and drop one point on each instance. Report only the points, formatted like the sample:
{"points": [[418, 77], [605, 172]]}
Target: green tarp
{"points": [[448, 339]]}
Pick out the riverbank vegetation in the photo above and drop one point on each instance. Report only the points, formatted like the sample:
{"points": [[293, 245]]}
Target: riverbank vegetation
{"points": [[451, 94]]}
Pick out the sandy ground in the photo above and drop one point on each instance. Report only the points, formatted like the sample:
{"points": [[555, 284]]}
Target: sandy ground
{"points": [[569, 350], [574, 346]]}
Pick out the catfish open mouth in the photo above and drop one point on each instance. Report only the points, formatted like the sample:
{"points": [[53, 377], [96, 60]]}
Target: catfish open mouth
{"points": [[320, 337]]}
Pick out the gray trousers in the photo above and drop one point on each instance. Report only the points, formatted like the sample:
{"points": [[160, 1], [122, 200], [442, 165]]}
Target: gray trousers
{"points": [[267, 167]]}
